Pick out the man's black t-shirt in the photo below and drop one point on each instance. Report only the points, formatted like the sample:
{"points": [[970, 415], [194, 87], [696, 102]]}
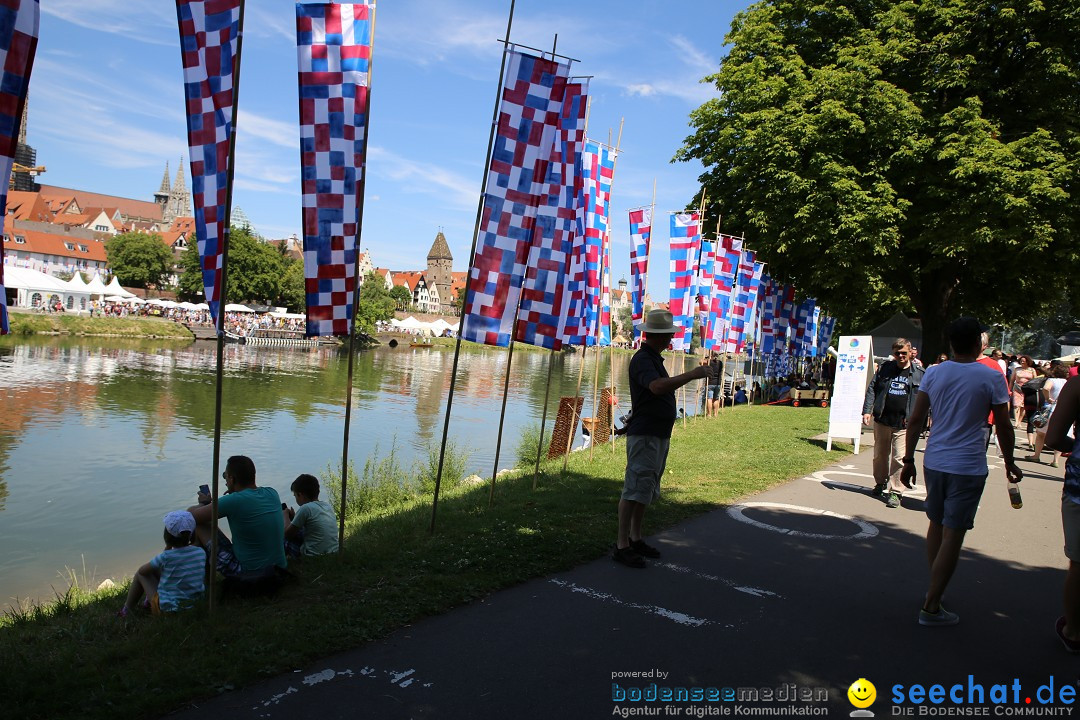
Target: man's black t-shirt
{"points": [[894, 414], [651, 414]]}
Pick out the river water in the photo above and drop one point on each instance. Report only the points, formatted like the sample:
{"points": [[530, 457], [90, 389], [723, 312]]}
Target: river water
{"points": [[99, 439]]}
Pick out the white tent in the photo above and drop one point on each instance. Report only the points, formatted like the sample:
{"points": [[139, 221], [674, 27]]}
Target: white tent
{"points": [[76, 283], [440, 326], [115, 299], [234, 307], [114, 288], [35, 289], [96, 287], [412, 323]]}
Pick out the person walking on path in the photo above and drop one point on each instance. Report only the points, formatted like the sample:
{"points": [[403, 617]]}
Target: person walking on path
{"points": [[960, 393], [1051, 391], [1066, 418], [648, 434], [888, 403]]}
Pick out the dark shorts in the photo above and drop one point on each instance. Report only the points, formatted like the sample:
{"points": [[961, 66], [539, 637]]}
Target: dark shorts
{"points": [[227, 562], [952, 499], [646, 456], [713, 392]]}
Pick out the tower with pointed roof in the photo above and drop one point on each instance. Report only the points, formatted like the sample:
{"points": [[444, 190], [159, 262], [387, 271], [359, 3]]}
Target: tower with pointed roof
{"points": [[161, 197], [440, 265], [179, 204]]}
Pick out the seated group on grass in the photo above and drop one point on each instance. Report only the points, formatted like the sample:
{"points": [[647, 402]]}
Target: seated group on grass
{"points": [[265, 531]]}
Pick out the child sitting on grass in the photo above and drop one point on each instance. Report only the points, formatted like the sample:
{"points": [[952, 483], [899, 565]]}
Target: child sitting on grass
{"points": [[313, 529], [173, 578]]}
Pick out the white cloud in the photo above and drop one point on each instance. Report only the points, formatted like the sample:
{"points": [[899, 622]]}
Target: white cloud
{"points": [[278, 132], [149, 22], [418, 177], [694, 58]]}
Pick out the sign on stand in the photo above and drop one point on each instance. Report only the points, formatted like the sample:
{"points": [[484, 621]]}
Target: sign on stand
{"points": [[854, 369]]}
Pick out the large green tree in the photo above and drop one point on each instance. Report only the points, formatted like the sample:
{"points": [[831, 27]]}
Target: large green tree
{"points": [[375, 303], [911, 155], [256, 269], [139, 260]]}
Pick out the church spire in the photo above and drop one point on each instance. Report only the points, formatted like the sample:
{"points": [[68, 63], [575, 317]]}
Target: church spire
{"points": [[179, 202], [165, 180]]}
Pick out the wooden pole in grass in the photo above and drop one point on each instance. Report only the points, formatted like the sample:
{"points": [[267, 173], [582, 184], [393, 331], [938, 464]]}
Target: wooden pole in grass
{"points": [[574, 411], [468, 277], [543, 418], [355, 300], [222, 300]]}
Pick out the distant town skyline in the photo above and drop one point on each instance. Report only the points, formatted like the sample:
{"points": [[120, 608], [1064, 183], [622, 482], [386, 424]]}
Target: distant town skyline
{"points": [[106, 107]]}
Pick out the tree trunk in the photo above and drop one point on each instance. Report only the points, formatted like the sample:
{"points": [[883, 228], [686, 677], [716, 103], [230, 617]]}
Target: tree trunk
{"points": [[934, 303]]}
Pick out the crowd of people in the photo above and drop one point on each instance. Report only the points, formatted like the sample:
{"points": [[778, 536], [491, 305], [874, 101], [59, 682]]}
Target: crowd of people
{"points": [[265, 533]]}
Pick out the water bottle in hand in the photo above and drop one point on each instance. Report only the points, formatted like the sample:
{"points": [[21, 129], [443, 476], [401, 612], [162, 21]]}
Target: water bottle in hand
{"points": [[1014, 495]]}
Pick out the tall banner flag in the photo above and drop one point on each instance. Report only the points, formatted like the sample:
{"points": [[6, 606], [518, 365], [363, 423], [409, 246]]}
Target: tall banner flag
{"points": [[640, 237], [825, 334], [804, 320], [782, 321], [743, 299], [767, 308], [705, 292], [728, 253], [333, 47], [545, 290], [19, 20], [685, 239], [812, 332], [598, 170], [531, 103], [209, 38]]}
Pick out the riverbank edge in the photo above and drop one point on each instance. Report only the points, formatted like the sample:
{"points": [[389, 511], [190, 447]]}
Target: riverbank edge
{"points": [[393, 573], [29, 323]]}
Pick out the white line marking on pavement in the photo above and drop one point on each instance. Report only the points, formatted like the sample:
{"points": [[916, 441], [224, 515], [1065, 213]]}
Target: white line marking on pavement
{"points": [[400, 678], [866, 530], [820, 477], [674, 616], [756, 592]]}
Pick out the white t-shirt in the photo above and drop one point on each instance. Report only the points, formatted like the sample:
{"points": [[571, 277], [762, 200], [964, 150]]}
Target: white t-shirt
{"points": [[960, 398]]}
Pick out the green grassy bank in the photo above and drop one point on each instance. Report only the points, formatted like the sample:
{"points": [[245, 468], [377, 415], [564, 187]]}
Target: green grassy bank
{"points": [[30, 323], [73, 658]]}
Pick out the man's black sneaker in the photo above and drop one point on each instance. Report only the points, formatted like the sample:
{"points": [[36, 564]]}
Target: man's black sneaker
{"points": [[628, 556], [644, 549], [893, 501], [879, 490]]}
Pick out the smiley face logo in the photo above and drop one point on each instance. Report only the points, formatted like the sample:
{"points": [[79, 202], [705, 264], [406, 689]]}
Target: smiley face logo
{"points": [[862, 693]]}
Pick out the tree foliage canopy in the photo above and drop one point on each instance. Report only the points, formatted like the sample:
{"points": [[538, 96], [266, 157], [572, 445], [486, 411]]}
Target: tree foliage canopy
{"points": [[139, 260], [375, 305], [258, 272], [884, 155]]}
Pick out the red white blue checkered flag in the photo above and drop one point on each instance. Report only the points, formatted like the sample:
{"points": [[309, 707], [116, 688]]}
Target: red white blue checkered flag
{"points": [[826, 326], [705, 287], [209, 39], [728, 253], [19, 20], [532, 100], [640, 237], [544, 291], [333, 46], [685, 237]]}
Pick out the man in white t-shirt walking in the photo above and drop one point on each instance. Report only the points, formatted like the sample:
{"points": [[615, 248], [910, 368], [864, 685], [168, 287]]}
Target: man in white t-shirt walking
{"points": [[961, 393]]}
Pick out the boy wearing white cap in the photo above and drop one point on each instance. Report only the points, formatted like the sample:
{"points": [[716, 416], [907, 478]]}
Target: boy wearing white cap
{"points": [[173, 578]]}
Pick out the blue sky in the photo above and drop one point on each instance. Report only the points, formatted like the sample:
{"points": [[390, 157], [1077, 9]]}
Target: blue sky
{"points": [[106, 106]]}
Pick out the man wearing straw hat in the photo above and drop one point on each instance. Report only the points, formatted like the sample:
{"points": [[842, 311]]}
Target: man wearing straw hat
{"points": [[648, 433]]}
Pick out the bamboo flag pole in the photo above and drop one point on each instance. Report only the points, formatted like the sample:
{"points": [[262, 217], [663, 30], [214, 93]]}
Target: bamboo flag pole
{"points": [[701, 249], [222, 300], [543, 419], [502, 413], [357, 281], [611, 322], [468, 276], [574, 410]]}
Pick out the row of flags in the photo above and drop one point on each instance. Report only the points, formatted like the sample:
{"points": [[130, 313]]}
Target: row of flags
{"points": [[541, 273], [739, 308], [19, 22], [334, 52]]}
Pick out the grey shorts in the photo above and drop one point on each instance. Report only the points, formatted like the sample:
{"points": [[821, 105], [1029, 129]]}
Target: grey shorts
{"points": [[646, 456], [952, 499], [713, 392], [1070, 523]]}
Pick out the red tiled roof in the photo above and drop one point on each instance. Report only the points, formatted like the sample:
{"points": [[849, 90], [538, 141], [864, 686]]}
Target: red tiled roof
{"points": [[23, 205], [185, 224], [169, 237], [127, 206], [409, 279], [66, 219], [49, 244]]}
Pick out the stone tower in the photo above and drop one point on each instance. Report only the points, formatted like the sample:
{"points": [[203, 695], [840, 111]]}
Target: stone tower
{"points": [[179, 198], [440, 263], [161, 197]]}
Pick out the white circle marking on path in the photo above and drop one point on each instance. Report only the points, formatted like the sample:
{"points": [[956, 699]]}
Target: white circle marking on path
{"points": [[866, 530]]}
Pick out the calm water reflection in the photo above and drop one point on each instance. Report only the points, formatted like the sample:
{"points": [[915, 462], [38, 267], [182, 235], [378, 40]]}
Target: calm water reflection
{"points": [[99, 439]]}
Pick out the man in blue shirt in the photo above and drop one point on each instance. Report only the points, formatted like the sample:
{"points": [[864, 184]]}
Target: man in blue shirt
{"points": [[648, 433]]}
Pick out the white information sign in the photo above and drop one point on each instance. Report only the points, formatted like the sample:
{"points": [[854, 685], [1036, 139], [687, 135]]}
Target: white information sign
{"points": [[854, 369]]}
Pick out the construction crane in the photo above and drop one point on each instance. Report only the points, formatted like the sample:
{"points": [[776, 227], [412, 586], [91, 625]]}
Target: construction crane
{"points": [[17, 168]]}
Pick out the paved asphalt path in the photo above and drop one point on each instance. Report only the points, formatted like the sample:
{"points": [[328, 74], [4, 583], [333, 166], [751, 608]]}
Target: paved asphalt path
{"points": [[819, 600]]}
